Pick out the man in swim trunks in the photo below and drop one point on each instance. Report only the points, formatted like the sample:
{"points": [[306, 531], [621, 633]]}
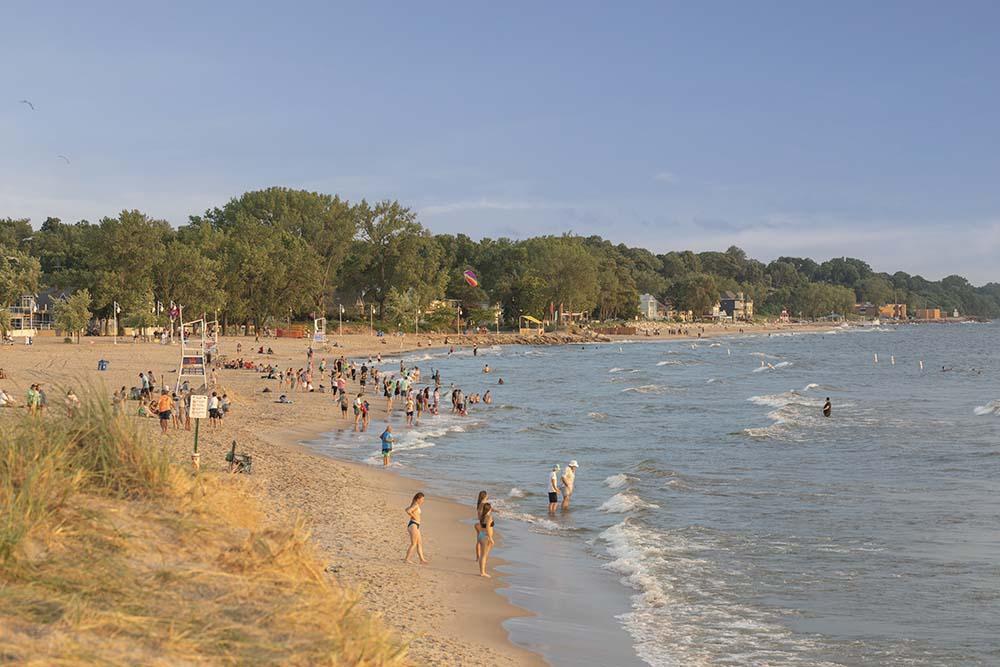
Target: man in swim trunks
{"points": [[387, 440], [163, 407], [827, 408], [553, 489]]}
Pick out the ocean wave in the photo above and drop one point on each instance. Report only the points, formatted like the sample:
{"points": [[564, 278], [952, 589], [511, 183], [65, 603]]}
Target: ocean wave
{"points": [[669, 362], [772, 367], [515, 493], [597, 416], [620, 503], [811, 385], [684, 610], [645, 389], [991, 408], [616, 481]]}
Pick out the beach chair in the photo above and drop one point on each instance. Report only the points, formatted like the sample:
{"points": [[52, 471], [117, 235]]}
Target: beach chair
{"points": [[239, 463]]}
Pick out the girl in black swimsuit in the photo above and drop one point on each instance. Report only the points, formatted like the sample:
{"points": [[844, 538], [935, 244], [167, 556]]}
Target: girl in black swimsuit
{"points": [[413, 528]]}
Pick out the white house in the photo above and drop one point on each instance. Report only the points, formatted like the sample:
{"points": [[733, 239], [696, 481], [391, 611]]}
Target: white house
{"points": [[651, 309]]}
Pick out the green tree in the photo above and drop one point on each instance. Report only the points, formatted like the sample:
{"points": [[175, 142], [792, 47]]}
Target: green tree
{"points": [[696, 292], [73, 314], [19, 275]]}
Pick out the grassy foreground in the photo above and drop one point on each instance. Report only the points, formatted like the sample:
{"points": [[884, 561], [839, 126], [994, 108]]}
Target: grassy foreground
{"points": [[111, 554]]}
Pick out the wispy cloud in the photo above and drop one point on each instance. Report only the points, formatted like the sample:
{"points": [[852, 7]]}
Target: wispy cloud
{"points": [[667, 177], [490, 205]]}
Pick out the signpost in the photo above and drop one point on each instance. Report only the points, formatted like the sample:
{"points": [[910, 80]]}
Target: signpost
{"points": [[199, 411], [319, 330]]}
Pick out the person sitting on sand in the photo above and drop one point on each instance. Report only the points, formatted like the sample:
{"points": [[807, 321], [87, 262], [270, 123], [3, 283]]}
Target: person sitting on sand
{"points": [[484, 536], [413, 528], [6, 400], [283, 399]]}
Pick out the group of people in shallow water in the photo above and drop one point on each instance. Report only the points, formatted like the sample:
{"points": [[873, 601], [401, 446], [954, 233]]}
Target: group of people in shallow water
{"points": [[484, 525]]}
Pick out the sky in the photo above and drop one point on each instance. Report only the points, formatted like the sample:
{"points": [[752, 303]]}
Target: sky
{"points": [[787, 128]]}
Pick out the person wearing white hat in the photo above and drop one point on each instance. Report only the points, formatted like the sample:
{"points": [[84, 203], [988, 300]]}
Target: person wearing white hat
{"points": [[568, 479], [553, 489]]}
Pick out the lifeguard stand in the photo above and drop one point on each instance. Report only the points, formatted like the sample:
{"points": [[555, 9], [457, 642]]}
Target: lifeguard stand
{"points": [[194, 343]]}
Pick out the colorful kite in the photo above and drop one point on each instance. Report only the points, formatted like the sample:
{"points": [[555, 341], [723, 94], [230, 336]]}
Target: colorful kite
{"points": [[471, 278]]}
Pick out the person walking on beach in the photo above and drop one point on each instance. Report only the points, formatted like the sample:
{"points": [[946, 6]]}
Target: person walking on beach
{"points": [[413, 528], [387, 440], [553, 489], [480, 499], [484, 536], [568, 480]]}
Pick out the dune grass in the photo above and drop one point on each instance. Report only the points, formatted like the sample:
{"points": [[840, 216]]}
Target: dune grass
{"points": [[110, 554]]}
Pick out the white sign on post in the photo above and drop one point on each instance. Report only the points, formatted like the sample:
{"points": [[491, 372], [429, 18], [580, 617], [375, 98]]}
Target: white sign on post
{"points": [[199, 406]]}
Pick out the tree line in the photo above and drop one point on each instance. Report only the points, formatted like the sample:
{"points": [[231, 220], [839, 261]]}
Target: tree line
{"points": [[277, 254]]}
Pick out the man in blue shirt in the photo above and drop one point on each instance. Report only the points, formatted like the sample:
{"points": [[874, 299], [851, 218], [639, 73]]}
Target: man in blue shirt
{"points": [[387, 441]]}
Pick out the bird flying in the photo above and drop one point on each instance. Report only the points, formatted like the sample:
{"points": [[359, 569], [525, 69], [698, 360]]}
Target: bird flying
{"points": [[28, 102], [64, 158]]}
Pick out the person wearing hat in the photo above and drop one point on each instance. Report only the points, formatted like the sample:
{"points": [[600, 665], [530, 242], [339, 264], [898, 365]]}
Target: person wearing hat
{"points": [[568, 478], [553, 489]]}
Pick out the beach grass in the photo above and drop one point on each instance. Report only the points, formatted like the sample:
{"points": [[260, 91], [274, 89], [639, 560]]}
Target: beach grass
{"points": [[111, 554]]}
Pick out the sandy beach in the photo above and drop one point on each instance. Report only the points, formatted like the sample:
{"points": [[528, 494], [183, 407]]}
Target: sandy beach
{"points": [[447, 613]]}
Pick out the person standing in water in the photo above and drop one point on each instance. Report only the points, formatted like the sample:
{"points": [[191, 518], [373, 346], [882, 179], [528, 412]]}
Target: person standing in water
{"points": [[553, 489], [413, 528], [387, 440], [484, 536], [568, 480], [827, 407]]}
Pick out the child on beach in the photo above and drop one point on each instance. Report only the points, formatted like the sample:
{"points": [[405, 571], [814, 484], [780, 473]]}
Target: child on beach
{"points": [[413, 528], [553, 489], [409, 410]]}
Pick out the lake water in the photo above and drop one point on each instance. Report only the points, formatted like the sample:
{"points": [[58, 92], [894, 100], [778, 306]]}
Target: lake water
{"points": [[719, 518]]}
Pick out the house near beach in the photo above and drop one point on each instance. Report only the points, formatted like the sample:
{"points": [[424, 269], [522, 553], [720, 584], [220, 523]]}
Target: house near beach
{"points": [[736, 306], [651, 308], [34, 313], [893, 311]]}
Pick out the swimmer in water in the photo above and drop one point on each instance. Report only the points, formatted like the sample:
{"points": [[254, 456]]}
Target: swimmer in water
{"points": [[827, 408]]}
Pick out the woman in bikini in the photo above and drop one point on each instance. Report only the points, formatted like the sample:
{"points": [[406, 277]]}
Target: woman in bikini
{"points": [[484, 536], [413, 528], [483, 497]]}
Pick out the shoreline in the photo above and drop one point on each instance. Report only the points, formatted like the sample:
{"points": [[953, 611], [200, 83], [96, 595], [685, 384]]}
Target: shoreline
{"points": [[354, 511], [465, 608]]}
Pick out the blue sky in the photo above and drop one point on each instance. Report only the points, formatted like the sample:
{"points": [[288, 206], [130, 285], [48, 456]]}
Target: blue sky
{"points": [[805, 128]]}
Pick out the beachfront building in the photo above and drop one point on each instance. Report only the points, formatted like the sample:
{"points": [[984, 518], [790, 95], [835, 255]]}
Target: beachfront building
{"points": [[893, 311], [650, 308], [35, 312], [928, 313], [713, 313], [867, 309], [736, 306]]}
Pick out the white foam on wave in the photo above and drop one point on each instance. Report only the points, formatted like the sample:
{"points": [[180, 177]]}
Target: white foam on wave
{"points": [[991, 408], [645, 389], [597, 416], [620, 503], [515, 493], [616, 481], [683, 612], [615, 370], [669, 362], [811, 385]]}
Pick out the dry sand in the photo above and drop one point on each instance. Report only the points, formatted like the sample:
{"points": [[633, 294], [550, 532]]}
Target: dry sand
{"points": [[450, 615]]}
